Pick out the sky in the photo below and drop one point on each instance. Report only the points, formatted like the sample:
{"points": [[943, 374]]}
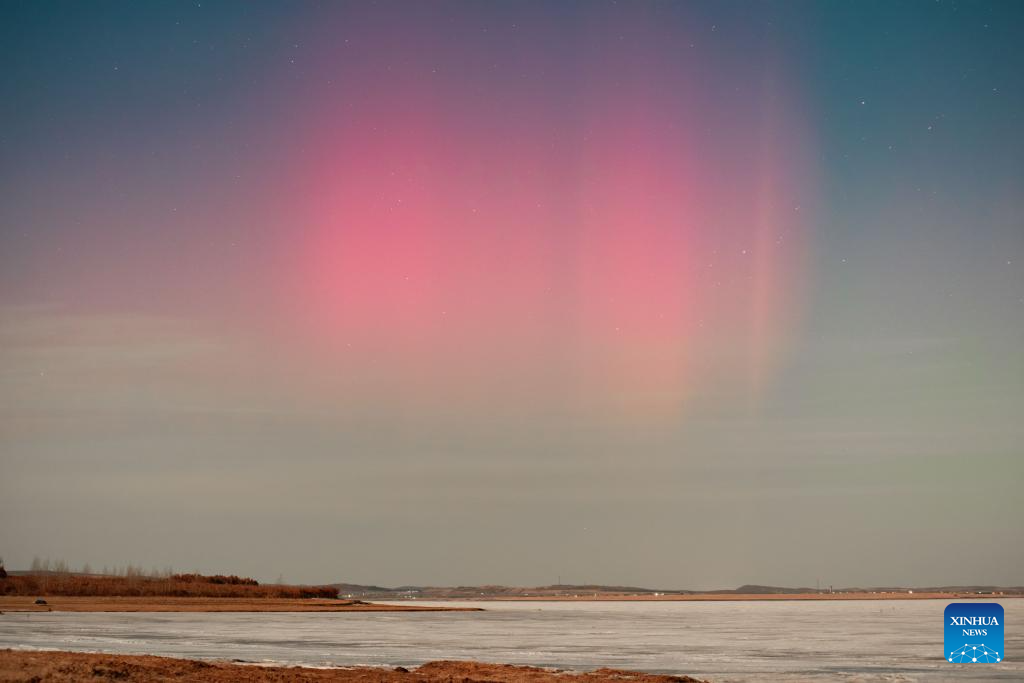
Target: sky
{"points": [[677, 295]]}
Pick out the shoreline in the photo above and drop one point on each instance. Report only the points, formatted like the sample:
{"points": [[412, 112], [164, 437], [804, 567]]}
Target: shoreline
{"points": [[406, 604], [59, 603], [60, 665], [709, 597]]}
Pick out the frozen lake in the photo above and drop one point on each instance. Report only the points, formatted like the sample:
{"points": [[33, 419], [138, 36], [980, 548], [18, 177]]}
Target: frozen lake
{"points": [[720, 641]]}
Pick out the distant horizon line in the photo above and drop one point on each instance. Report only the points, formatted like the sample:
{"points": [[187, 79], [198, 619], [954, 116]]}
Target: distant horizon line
{"points": [[745, 589]]}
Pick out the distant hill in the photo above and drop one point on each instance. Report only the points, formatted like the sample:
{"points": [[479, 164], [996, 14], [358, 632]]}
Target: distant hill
{"points": [[354, 590], [489, 591], [754, 589]]}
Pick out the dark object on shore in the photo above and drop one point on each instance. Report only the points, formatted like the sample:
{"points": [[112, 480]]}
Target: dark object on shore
{"points": [[3, 572], [40, 601], [401, 670]]}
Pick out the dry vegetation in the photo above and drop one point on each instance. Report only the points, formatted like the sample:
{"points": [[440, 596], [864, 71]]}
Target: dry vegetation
{"points": [[174, 585]]}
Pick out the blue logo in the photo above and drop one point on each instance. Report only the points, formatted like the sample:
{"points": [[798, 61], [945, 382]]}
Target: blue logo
{"points": [[974, 632]]}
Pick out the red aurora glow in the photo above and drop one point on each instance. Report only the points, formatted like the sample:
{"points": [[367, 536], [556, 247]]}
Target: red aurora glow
{"points": [[617, 232]]}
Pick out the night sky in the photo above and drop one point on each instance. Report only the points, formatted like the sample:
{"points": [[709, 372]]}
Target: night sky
{"points": [[684, 295]]}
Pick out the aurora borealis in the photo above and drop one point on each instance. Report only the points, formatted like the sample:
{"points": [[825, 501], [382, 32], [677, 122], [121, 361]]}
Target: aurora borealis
{"points": [[550, 222], [561, 288]]}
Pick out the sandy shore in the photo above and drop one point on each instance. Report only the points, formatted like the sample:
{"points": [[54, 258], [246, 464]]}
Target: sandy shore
{"points": [[16, 665], [158, 604]]}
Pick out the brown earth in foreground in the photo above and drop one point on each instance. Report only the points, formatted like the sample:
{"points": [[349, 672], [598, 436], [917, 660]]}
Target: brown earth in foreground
{"points": [[36, 667], [162, 604]]}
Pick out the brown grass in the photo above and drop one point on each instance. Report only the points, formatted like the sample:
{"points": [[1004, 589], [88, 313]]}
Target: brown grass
{"points": [[178, 585]]}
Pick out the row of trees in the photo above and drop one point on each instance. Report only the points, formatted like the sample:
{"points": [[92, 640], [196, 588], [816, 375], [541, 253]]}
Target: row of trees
{"points": [[45, 565], [182, 586], [57, 578], [231, 580]]}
